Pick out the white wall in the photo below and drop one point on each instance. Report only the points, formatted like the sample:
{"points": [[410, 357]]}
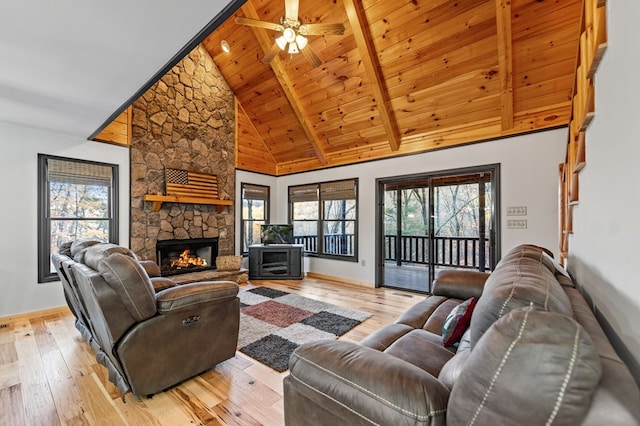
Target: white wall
{"points": [[529, 177], [258, 179], [19, 288], [528, 170], [603, 250]]}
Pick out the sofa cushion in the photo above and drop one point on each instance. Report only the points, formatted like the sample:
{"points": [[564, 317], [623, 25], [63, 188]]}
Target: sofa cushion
{"points": [[519, 282], [531, 367], [364, 385], [96, 253], [79, 248], [457, 322], [450, 372], [429, 314], [195, 295], [531, 251], [131, 283], [422, 349], [505, 299], [78, 245], [459, 284]]}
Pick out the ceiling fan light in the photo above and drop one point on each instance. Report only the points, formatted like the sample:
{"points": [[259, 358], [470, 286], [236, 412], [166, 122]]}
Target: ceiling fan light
{"points": [[289, 34], [224, 45], [301, 41], [293, 48], [281, 42]]}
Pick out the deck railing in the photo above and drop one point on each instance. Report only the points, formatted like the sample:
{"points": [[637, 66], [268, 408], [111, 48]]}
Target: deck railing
{"points": [[458, 252], [340, 244]]}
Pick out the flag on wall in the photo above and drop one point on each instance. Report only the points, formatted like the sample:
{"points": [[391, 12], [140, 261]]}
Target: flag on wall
{"points": [[185, 183]]}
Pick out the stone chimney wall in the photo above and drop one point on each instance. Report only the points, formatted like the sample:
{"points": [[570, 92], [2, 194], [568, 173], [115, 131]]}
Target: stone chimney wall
{"points": [[185, 121]]}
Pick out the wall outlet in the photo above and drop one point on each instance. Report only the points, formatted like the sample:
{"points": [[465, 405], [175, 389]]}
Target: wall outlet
{"points": [[516, 224], [517, 211], [363, 263]]}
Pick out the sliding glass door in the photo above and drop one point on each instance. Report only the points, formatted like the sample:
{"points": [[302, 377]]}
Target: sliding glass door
{"points": [[406, 234], [436, 221]]}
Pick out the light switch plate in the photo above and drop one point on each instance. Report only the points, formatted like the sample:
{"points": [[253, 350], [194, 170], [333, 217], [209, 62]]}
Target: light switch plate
{"points": [[517, 211], [516, 224]]}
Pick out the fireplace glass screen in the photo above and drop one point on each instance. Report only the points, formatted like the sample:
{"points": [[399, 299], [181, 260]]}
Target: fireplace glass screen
{"points": [[181, 256]]}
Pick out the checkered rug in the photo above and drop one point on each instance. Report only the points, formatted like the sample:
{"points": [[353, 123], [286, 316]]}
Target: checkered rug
{"points": [[273, 323]]}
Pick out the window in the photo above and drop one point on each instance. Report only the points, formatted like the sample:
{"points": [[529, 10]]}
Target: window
{"points": [[324, 218], [255, 212], [76, 199]]}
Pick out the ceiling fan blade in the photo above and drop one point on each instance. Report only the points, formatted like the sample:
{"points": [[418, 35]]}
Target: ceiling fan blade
{"points": [[291, 9], [259, 24], [311, 56], [268, 57], [321, 29]]}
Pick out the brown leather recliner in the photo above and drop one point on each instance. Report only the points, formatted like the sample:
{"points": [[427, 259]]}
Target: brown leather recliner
{"points": [[62, 262], [150, 340]]}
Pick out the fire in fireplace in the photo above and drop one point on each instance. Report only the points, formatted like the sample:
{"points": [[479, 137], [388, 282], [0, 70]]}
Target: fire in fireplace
{"points": [[181, 256]]}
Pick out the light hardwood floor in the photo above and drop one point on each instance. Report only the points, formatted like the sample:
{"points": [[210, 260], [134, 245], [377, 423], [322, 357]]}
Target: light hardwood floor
{"points": [[49, 375]]}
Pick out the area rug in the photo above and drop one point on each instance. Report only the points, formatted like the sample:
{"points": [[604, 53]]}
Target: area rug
{"points": [[273, 323]]}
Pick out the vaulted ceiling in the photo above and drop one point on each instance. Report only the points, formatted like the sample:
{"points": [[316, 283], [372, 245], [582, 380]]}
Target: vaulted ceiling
{"points": [[407, 76]]}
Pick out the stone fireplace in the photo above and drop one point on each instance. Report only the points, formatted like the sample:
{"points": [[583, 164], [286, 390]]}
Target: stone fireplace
{"points": [[184, 256], [185, 121]]}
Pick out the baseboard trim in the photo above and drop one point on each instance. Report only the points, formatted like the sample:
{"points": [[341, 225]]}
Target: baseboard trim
{"points": [[34, 314], [340, 280]]}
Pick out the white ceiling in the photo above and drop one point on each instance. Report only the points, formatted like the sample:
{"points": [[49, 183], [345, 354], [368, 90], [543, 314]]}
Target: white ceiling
{"points": [[67, 65]]}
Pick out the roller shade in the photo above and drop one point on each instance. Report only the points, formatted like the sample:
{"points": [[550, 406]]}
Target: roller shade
{"points": [[255, 192], [78, 173], [303, 193], [338, 190]]}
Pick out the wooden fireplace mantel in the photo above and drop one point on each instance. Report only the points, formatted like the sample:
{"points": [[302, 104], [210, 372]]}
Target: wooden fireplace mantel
{"points": [[157, 201]]}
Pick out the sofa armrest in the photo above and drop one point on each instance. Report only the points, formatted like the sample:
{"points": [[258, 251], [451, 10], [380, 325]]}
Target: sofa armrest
{"points": [[161, 283], [350, 380], [459, 284], [188, 296], [151, 268]]}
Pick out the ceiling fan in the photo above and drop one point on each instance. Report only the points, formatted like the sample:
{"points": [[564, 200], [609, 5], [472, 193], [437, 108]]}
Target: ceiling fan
{"points": [[294, 34]]}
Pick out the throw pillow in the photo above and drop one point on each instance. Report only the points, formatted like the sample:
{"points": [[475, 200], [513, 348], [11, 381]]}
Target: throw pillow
{"points": [[457, 322]]}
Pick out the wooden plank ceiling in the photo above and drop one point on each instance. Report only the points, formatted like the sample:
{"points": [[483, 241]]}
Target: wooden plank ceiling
{"points": [[406, 77]]}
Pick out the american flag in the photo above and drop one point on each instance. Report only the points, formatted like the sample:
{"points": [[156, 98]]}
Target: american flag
{"points": [[185, 183]]}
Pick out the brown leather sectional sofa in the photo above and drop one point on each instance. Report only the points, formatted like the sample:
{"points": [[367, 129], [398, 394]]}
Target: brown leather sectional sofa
{"points": [[533, 354], [147, 331]]}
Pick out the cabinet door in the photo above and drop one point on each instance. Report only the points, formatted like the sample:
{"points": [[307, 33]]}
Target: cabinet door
{"points": [[295, 262], [254, 262]]}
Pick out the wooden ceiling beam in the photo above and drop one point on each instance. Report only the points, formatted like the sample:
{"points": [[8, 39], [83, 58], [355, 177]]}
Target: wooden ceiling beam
{"points": [[362, 35], [505, 61], [285, 82]]}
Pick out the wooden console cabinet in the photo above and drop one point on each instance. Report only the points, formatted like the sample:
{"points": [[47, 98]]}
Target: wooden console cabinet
{"points": [[276, 262]]}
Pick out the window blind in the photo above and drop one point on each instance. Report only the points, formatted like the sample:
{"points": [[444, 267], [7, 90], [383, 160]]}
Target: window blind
{"points": [[338, 190], [303, 193], [78, 173], [255, 192]]}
